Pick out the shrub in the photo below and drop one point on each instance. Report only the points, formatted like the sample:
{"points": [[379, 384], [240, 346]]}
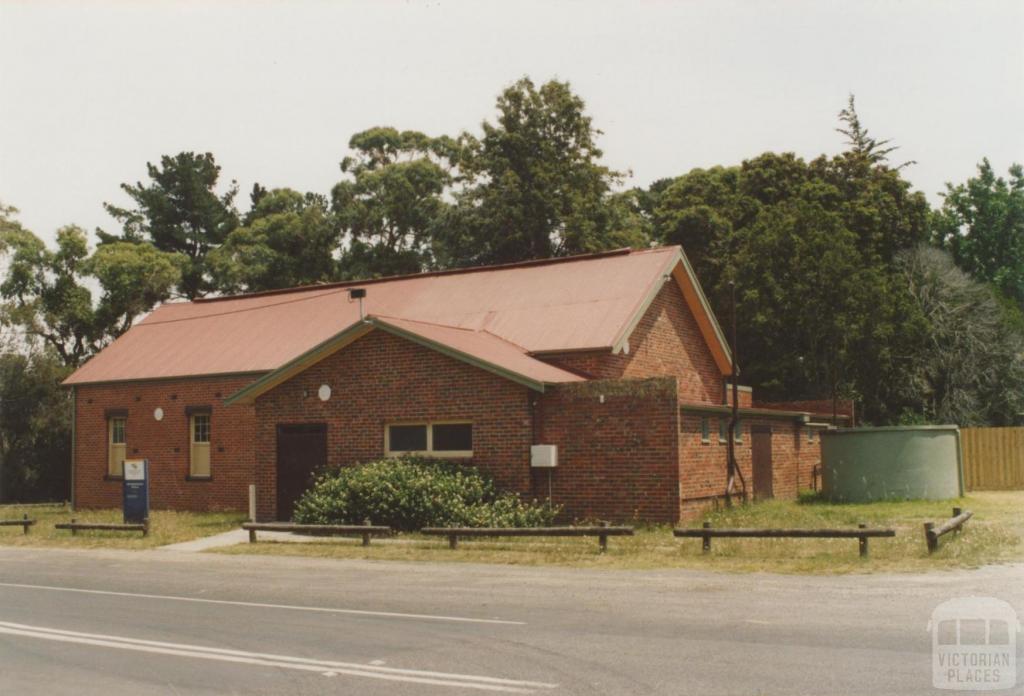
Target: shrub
{"points": [[411, 493]]}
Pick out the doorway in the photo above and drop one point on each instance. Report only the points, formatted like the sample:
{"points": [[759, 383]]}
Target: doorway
{"points": [[301, 450], [761, 450]]}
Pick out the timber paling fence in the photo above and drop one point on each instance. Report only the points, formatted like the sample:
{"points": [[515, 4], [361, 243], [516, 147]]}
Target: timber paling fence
{"points": [[993, 458]]}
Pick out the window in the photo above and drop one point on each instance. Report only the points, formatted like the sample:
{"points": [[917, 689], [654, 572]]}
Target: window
{"points": [[723, 429], [810, 434], [438, 439], [199, 445], [739, 430], [116, 446], [705, 430]]}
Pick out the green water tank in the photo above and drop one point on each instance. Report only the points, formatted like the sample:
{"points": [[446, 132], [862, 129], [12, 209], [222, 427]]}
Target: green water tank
{"points": [[895, 463]]}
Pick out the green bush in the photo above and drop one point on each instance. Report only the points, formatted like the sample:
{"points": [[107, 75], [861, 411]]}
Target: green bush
{"points": [[410, 493]]}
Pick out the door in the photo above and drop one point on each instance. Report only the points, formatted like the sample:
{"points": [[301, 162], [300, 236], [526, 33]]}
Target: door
{"points": [[301, 450], [761, 446]]}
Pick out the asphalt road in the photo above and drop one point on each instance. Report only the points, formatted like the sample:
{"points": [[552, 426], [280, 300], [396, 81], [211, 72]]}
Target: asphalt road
{"points": [[108, 622]]}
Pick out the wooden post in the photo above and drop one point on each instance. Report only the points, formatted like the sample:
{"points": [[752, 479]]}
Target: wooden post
{"points": [[26, 525], [705, 543], [73, 530], [366, 535], [956, 513], [863, 542], [930, 538], [603, 538], [252, 536], [453, 541], [145, 527]]}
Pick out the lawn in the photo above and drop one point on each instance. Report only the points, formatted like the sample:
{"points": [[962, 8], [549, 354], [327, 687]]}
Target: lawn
{"points": [[166, 527], [994, 535]]}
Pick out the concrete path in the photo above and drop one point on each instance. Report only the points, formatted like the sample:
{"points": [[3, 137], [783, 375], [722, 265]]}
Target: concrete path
{"points": [[238, 536]]}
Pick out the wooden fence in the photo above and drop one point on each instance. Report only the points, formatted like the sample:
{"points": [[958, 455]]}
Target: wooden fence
{"points": [[993, 458]]}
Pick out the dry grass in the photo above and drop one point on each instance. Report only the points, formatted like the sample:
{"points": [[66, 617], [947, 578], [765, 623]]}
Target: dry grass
{"points": [[166, 527], [994, 535]]}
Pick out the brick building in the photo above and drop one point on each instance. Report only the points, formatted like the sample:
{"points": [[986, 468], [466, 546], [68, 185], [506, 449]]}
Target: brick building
{"points": [[614, 358]]}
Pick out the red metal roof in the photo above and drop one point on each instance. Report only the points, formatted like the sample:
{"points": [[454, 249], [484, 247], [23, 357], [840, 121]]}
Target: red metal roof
{"points": [[560, 305]]}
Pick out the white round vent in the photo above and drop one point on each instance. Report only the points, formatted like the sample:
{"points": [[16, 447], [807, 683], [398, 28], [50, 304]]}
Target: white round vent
{"points": [[158, 414], [324, 392]]}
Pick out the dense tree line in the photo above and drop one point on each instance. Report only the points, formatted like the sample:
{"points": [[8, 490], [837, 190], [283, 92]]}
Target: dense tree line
{"points": [[849, 284]]}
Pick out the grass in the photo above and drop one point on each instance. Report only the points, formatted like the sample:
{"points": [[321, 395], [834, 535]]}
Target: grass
{"points": [[166, 527], [994, 535]]}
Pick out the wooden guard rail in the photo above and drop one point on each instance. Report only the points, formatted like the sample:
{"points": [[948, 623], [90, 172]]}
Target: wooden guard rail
{"points": [[861, 533], [24, 522], [601, 532], [365, 530], [76, 526], [953, 524]]}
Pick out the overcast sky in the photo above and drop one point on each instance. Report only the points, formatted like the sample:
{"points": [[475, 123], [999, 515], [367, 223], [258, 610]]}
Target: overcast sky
{"points": [[92, 91]]}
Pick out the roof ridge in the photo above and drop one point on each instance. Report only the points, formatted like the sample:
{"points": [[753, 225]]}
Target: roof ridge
{"points": [[515, 345], [624, 251]]}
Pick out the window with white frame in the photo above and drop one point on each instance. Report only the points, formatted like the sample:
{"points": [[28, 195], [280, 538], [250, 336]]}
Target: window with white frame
{"points": [[117, 447], [705, 430], [453, 439]]}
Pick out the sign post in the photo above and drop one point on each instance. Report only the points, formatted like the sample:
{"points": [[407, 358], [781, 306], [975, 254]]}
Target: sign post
{"points": [[136, 490]]}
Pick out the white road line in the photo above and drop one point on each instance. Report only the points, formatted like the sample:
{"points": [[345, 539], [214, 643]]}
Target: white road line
{"points": [[292, 607], [325, 667]]}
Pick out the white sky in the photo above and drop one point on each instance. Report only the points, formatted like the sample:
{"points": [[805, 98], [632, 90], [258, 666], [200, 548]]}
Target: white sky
{"points": [[92, 91]]}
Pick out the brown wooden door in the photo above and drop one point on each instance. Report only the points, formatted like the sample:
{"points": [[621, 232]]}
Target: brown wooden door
{"points": [[301, 450], [761, 446]]}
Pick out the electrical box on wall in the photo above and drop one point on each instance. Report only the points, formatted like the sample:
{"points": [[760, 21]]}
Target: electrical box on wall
{"points": [[544, 456]]}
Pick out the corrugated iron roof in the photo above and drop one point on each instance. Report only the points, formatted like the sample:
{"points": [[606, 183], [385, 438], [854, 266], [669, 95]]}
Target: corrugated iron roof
{"points": [[558, 305]]}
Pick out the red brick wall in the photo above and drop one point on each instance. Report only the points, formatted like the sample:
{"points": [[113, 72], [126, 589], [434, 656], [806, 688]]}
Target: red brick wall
{"points": [[166, 443], [703, 465], [617, 460], [666, 342], [381, 379]]}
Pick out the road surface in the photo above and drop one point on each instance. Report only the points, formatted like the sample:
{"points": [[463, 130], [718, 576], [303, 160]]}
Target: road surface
{"points": [[112, 622]]}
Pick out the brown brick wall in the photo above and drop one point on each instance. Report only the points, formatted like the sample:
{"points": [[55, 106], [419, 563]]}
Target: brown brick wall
{"points": [[381, 379], [703, 465], [617, 459], [166, 443], [665, 343]]}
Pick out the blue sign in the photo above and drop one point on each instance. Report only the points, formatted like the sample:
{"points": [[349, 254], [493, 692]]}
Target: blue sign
{"points": [[136, 490]]}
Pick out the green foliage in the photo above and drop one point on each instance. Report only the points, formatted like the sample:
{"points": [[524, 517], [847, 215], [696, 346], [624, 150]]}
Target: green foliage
{"points": [[288, 239], [411, 493], [969, 368], [982, 223], [389, 206], [179, 211], [47, 294], [810, 247], [532, 186], [35, 428]]}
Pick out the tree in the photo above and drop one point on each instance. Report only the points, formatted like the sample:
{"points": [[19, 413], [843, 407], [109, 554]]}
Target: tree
{"points": [[811, 247], [179, 211], [860, 143], [35, 427], [969, 369], [392, 201], [981, 223], [532, 186], [288, 239], [47, 293]]}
